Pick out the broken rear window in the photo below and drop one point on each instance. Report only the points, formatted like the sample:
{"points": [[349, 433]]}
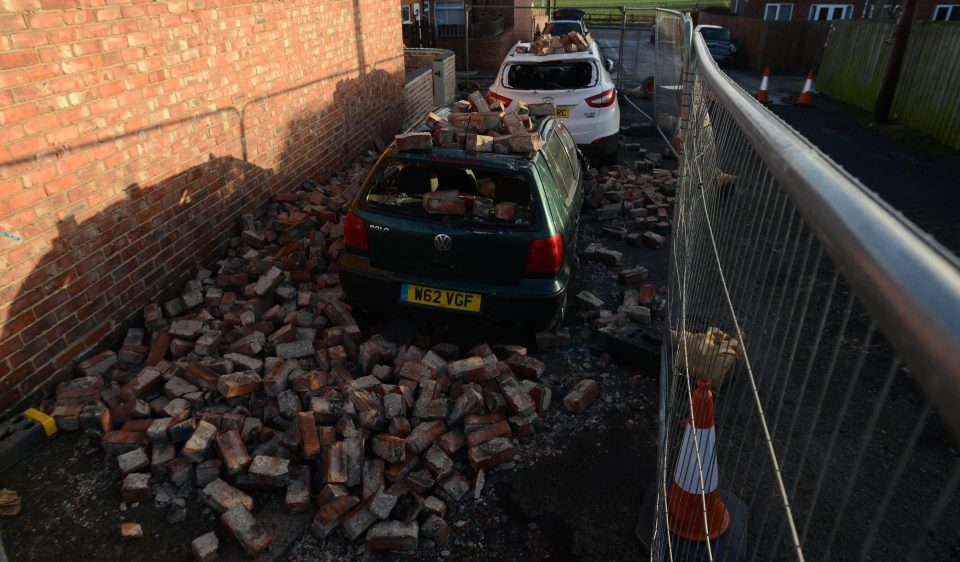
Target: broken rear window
{"points": [[457, 193], [562, 75]]}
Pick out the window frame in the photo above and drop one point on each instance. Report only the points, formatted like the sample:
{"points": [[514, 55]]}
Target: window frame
{"points": [[405, 14], [846, 13], [443, 7], [949, 12], [779, 6]]}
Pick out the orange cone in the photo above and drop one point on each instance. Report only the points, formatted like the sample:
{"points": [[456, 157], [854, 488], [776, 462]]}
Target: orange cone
{"points": [[762, 95], [692, 490], [806, 95]]}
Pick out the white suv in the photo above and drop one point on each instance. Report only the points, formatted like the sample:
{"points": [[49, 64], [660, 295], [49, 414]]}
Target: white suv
{"points": [[578, 83]]}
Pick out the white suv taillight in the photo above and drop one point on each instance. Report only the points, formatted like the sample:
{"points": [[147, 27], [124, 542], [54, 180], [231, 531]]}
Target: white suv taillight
{"points": [[492, 97], [603, 99]]}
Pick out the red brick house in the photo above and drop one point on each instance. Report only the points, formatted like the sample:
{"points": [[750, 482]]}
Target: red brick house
{"points": [[825, 10]]}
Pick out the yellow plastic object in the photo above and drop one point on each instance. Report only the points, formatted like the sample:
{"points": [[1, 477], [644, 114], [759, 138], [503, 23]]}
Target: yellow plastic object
{"points": [[48, 423]]}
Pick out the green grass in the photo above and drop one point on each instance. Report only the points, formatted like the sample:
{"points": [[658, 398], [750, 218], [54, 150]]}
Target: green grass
{"points": [[679, 5]]}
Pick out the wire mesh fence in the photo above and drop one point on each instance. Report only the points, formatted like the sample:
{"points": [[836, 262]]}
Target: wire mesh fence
{"points": [[827, 328], [670, 39]]}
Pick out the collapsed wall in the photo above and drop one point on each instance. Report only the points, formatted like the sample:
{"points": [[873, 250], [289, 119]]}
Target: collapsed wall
{"points": [[133, 136]]}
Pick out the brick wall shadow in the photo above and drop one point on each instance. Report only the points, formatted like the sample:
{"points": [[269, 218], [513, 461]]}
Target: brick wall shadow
{"points": [[99, 273]]}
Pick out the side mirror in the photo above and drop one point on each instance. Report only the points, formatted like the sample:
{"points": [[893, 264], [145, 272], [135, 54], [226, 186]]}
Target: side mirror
{"points": [[608, 64]]}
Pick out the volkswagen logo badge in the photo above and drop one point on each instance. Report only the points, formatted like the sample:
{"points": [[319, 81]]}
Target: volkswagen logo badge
{"points": [[442, 242]]}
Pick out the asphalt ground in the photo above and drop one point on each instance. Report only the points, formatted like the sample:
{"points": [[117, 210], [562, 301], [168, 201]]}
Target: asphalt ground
{"points": [[913, 173]]}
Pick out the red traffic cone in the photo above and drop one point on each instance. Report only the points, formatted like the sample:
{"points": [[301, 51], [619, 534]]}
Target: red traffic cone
{"points": [[692, 489], [806, 95], [762, 95]]}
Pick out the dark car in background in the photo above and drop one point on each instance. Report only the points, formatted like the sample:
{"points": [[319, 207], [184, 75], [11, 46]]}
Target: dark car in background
{"points": [[722, 45], [566, 20], [471, 265]]}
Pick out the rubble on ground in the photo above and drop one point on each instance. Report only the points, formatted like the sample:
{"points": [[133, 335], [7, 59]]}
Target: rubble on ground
{"points": [[258, 378], [547, 44]]}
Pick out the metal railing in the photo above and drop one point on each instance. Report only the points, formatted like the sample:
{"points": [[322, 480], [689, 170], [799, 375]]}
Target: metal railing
{"points": [[830, 328]]}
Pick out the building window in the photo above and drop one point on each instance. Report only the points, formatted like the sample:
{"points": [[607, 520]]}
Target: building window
{"points": [[405, 14], [778, 12], [947, 12], [416, 12], [885, 12], [827, 12], [449, 13]]}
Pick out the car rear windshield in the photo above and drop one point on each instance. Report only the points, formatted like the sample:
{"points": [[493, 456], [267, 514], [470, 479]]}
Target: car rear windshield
{"points": [[713, 34], [472, 195], [560, 75], [563, 27]]}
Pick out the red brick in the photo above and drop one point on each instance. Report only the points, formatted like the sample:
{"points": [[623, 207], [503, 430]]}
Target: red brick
{"points": [[18, 59], [45, 19], [12, 22], [28, 39]]}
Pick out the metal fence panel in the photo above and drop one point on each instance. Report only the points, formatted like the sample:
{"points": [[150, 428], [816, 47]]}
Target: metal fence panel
{"points": [[830, 331]]}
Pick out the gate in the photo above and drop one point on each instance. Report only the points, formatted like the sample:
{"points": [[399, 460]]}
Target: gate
{"points": [[829, 327]]}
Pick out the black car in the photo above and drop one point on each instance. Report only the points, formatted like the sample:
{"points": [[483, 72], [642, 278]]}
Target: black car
{"points": [[473, 263], [720, 43], [566, 20]]}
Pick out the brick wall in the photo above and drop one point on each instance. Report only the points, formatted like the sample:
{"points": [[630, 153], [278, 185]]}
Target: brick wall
{"points": [[417, 95], [133, 134], [438, 60]]}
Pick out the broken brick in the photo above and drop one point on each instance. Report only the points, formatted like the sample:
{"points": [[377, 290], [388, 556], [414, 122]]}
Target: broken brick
{"points": [[222, 496], [197, 446], [234, 453], [392, 535], [581, 396], [246, 530]]}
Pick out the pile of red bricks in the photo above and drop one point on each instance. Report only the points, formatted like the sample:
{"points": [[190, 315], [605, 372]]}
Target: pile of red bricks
{"points": [[257, 377], [547, 44], [477, 126]]}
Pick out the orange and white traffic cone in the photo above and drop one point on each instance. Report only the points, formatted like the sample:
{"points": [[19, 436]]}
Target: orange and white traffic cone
{"points": [[806, 95], [692, 489], [762, 96]]}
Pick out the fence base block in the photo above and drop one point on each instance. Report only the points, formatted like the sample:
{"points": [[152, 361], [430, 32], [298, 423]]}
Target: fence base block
{"points": [[730, 547], [639, 347]]}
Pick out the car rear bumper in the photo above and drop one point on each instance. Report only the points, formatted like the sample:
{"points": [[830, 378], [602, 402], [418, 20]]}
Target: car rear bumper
{"points": [[535, 303]]}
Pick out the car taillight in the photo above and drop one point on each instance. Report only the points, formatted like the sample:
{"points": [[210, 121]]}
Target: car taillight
{"points": [[491, 97], [603, 99], [545, 255], [355, 232]]}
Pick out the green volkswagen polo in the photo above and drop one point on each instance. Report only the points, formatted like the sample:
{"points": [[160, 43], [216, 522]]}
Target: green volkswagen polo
{"points": [[486, 236]]}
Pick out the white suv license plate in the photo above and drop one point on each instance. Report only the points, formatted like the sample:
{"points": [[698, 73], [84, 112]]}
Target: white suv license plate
{"points": [[563, 112]]}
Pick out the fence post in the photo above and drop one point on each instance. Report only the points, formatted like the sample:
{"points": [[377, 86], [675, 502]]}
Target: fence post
{"points": [[623, 32], [466, 35], [888, 87]]}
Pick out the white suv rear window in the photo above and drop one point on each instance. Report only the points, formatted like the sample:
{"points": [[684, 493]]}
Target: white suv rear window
{"points": [[556, 75]]}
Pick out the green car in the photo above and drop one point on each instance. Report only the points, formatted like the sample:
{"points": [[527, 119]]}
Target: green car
{"points": [[484, 236]]}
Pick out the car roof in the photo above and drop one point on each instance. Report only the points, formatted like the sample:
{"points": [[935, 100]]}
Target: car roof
{"points": [[592, 53]]}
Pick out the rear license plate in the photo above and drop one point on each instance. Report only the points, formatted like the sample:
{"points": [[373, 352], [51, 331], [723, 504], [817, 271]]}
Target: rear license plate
{"points": [[563, 112], [440, 298]]}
